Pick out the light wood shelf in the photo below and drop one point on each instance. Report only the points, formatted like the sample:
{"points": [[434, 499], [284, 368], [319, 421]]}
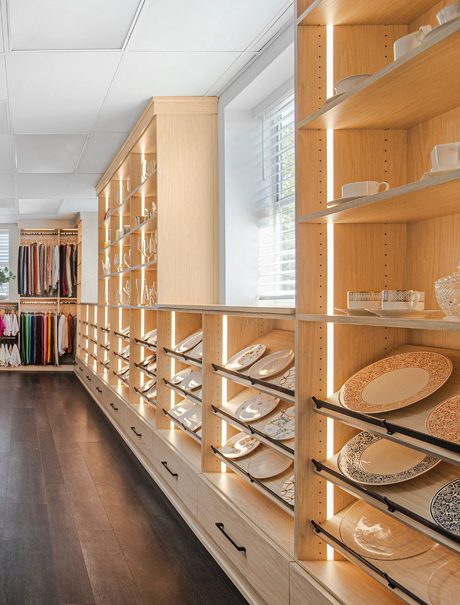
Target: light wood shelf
{"points": [[418, 86], [435, 323]]}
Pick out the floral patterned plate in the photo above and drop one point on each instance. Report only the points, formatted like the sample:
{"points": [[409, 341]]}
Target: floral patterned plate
{"points": [[288, 490], [189, 342], [287, 380], [271, 364], [444, 420], [445, 507], [282, 425], [256, 407], [395, 382], [239, 445], [246, 357], [374, 460]]}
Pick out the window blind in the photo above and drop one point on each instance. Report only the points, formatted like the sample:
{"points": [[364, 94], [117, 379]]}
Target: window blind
{"points": [[4, 257], [275, 205]]}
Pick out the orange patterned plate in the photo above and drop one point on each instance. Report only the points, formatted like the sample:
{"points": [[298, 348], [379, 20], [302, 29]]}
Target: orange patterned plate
{"points": [[444, 420], [395, 382]]}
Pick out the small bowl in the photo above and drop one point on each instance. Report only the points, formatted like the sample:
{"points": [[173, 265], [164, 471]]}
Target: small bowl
{"points": [[448, 13], [347, 84]]}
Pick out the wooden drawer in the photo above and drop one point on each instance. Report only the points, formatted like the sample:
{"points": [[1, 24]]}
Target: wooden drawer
{"points": [[138, 432], [115, 407], [264, 567], [181, 477], [307, 591]]}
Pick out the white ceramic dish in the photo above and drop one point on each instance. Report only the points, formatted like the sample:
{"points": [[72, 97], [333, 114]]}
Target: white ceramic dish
{"points": [[239, 445], [265, 463], [271, 364], [148, 385], [256, 407], [193, 381], [188, 343], [192, 418], [288, 490], [373, 460], [196, 352], [282, 425], [395, 382], [182, 408], [287, 380], [342, 200], [246, 357], [181, 376]]}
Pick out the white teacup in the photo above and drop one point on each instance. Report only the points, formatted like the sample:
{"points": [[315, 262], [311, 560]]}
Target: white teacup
{"points": [[364, 188], [404, 45], [446, 156], [349, 83], [413, 300]]}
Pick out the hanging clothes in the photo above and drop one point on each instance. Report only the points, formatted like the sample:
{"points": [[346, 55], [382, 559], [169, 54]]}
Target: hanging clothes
{"points": [[46, 270], [38, 334]]}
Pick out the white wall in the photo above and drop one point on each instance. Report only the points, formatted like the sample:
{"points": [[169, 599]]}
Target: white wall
{"points": [[90, 255]]}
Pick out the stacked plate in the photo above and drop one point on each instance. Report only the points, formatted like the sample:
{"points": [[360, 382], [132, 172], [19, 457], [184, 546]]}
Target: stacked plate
{"points": [[258, 367], [188, 414], [190, 342], [150, 337]]}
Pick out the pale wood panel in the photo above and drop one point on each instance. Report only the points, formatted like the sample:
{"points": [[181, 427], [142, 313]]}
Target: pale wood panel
{"points": [[164, 339], [187, 208], [429, 15], [212, 391], [364, 49], [311, 266], [311, 172], [341, 12], [311, 70], [369, 155]]}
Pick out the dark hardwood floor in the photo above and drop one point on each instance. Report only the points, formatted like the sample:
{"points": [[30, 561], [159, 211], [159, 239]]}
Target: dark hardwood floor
{"points": [[81, 522]]}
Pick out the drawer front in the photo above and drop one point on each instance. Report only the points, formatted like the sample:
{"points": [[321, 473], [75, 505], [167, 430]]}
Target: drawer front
{"points": [[306, 591], [176, 473], [265, 568], [116, 408], [138, 432]]}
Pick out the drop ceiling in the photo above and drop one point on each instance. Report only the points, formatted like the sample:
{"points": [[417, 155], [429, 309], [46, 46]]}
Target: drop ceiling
{"points": [[75, 76]]}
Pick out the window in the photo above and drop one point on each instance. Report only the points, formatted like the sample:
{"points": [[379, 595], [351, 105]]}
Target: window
{"points": [[276, 204], [4, 259]]}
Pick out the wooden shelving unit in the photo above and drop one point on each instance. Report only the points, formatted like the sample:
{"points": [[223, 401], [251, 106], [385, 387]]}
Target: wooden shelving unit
{"points": [[404, 238]]}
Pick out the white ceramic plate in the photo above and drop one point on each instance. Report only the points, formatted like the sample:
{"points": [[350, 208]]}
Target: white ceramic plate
{"points": [[125, 331], [445, 507], [150, 337], [374, 460], [288, 490], [196, 352], [245, 357], [271, 364], [256, 407], [192, 418], [282, 425], [193, 381], [148, 385], [265, 463], [180, 409], [444, 583], [152, 367], [287, 380], [189, 342], [355, 312], [181, 376], [375, 535], [444, 420], [395, 382], [239, 445], [148, 360]]}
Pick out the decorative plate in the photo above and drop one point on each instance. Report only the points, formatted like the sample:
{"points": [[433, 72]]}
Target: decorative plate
{"points": [[375, 535], [287, 380], [271, 364], [125, 331], [196, 352], [193, 381], [180, 376], [374, 460], [256, 407], [444, 584], [395, 382], [151, 394], [445, 507], [288, 490], [239, 445], [245, 357], [152, 367], [148, 360], [282, 425], [189, 342], [148, 385], [180, 409], [150, 337], [444, 420], [266, 463], [192, 419]]}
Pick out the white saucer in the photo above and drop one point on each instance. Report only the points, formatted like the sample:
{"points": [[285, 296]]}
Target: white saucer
{"points": [[439, 28], [432, 173], [342, 200]]}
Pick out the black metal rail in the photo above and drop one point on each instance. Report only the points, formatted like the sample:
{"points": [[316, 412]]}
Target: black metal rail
{"points": [[253, 381]]}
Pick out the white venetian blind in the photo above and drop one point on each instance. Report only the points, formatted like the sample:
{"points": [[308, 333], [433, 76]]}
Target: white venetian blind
{"points": [[4, 256], [276, 204]]}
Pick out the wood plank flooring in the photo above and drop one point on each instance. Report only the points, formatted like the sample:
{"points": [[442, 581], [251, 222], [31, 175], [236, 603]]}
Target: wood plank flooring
{"points": [[81, 522]]}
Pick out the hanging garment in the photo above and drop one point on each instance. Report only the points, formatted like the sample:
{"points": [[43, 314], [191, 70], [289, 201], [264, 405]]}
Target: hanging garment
{"points": [[15, 357]]}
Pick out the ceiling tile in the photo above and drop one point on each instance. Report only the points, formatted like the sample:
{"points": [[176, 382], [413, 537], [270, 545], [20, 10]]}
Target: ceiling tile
{"points": [[145, 75], [43, 185], [100, 150], [204, 25], [52, 153], [78, 205], [38, 206], [83, 185], [3, 84], [235, 68], [86, 24], [58, 92], [4, 123], [7, 161], [7, 203], [7, 188]]}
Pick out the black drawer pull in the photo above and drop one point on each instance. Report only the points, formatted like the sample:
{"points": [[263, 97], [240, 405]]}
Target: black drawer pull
{"points": [[114, 407], [98, 390], [165, 464], [220, 527], [88, 377], [133, 428], [80, 368]]}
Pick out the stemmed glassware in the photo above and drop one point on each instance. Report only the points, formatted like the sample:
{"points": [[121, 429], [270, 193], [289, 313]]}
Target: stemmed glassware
{"points": [[106, 267], [147, 169]]}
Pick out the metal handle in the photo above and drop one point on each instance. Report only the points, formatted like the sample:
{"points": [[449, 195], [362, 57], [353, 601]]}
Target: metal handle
{"points": [[114, 407], [88, 377], [133, 428], [98, 390], [165, 464], [80, 368], [220, 527]]}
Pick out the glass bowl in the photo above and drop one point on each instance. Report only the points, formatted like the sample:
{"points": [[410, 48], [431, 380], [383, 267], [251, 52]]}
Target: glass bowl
{"points": [[448, 295]]}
